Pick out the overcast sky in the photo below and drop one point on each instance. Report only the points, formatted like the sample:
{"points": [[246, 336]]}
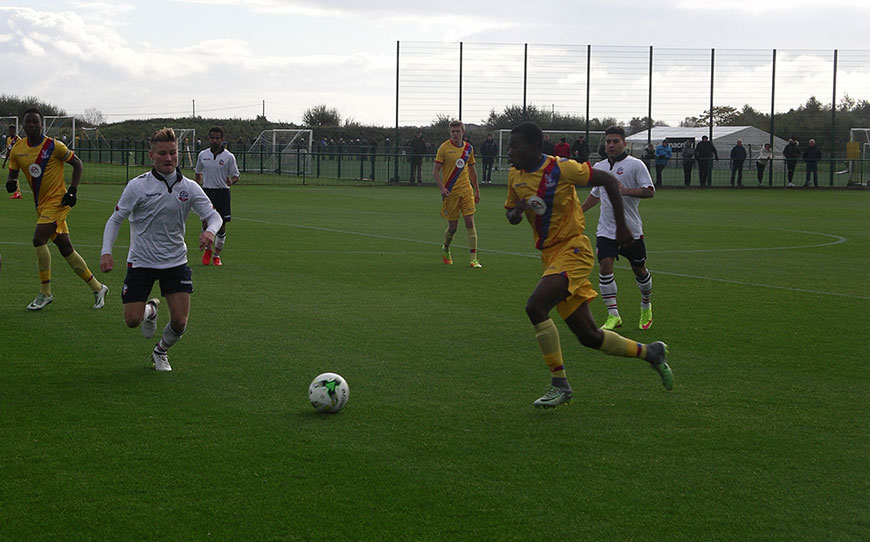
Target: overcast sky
{"points": [[147, 59]]}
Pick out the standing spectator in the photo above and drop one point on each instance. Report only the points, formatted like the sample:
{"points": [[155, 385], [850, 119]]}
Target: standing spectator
{"points": [[602, 151], [765, 155], [11, 140], [323, 145], [705, 153], [157, 204], [811, 156], [216, 171], [456, 177], [488, 151], [792, 153], [648, 154], [549, 148], [580, 149], [418, 149], [663, 155], [688, 161], [563, 150], [42, 160], [738, 158]]}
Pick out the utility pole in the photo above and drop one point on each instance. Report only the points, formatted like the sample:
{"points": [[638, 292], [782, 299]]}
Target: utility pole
{"points": [[194, 107]]}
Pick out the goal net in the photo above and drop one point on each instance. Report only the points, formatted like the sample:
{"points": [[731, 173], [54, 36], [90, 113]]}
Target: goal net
{"points": [[858, 156], [62, 128], [282, 151], [188, 147], [5, 124], [555, 135]]}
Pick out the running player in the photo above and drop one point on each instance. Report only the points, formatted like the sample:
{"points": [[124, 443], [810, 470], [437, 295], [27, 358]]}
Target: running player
{"points": [[456, 177], [42, 159], [542, 188], [635, 184], [157, 204], [216, 172]]}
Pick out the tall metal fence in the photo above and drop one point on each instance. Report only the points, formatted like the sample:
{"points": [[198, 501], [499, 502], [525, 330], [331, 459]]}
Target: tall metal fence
{"points": [[643, 86]]}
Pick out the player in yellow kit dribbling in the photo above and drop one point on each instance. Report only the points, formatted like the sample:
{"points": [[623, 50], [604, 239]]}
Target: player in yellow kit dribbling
{"points": [[542, 188]]}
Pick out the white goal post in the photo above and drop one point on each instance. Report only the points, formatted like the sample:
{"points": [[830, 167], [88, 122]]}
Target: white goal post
{"points": [[555, 135], [60, 127], [858, 155], [187, 147], [285, 150]]}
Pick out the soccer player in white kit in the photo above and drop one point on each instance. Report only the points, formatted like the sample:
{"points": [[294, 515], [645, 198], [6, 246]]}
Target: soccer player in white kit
{"points": [[216, 171], [635, 184], [157, 204]]}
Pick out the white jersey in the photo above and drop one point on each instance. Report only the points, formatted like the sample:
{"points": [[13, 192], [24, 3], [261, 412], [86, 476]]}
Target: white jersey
{"points": [[216, 169], [158, 210], [632, 173]]}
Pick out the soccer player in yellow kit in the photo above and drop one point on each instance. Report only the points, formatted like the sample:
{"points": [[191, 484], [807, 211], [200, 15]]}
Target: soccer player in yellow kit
{"points": [[457, 179], [542, 188], [42, 159]]}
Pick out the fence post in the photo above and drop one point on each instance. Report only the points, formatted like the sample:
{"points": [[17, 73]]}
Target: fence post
{"points": [[772, 114], [396, 141], [460, 81], [525, 77], [649, 121], [588, 85], [834, 120]]}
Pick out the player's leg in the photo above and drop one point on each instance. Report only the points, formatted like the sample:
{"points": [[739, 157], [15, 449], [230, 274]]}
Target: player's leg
{"points": [[219, 240], [41, 235], [582, 324], [137, 287], [635, 253], [80, 267], [450, 211], [176, 286], [549, 292], [467, 205], [220, 198], [607, 250]]}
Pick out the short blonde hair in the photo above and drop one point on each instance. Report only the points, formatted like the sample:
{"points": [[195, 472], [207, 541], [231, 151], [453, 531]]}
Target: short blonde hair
{"points": [[455, 123], [163, 135]]}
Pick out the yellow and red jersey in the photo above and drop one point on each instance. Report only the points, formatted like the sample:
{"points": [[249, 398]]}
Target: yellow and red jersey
{"points": [[553, 181], [454, 164], [42, 166]]}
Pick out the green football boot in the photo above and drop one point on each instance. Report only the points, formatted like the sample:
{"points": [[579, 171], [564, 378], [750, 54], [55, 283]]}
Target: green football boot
{"points": [[612, 322], [645, 318], [656, 354], [554, 397]]}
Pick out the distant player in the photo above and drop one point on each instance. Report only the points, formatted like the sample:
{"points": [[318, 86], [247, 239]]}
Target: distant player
{"points": [[157, 204], [10, 140], [456, 177], [42, 159], [216, 171], [635, 184], [542, 188]]}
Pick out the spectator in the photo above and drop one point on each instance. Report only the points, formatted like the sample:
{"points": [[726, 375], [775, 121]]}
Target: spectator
{"points": [[418, 149], [811, 156], [489, 150], [705, 153], [765, 155], [738, 157], [663, 155], [580, 149], [688, 161], [792, 153], [563, 150], [549, 148], [649, 152]]}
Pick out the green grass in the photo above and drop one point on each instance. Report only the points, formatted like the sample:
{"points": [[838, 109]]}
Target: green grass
{"points": [[761, 295]]}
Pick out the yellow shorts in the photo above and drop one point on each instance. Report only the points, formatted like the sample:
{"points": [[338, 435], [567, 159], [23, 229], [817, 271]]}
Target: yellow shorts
{"points": [[54, 213], [574, 260], [456, 202]]}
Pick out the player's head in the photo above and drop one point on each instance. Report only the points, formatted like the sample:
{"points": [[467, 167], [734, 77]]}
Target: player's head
{"points": [[32, 122], [215, 137], [164, 151], [457, 130], [704, 138], [614, 141], [11, 129], [525, 146]]}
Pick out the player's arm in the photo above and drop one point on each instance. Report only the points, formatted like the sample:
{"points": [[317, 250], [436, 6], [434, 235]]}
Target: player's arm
{"points": [[232, 180], [234, 172], [610, 185], [514, 206], [436, 174], [198, 178], [203, 207], [472, 176], [12, 181], [113, 226], [69, 199], [590, 202]]}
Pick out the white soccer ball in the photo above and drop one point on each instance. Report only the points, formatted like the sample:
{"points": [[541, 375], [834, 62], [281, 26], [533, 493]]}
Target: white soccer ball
{"points": [[328, 392]]}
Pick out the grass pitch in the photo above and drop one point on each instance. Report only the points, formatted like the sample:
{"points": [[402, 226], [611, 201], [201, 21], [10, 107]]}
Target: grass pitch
{"points": [[761, 295]]}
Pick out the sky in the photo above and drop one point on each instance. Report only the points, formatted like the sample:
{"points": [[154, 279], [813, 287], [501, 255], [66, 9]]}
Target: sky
{"points": [[229, 58]]}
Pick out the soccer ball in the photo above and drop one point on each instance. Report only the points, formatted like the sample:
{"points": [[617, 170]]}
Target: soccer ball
{"points": [[328, 392]]}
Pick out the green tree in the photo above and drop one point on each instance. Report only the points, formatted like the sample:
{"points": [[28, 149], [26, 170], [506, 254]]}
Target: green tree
{"points": [[320, 115]]}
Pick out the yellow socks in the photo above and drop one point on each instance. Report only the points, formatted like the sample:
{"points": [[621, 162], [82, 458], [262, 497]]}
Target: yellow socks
{"points": [[81, 268], [448, 238], [43, 265], [547, 335], [472, 241], [616, 345]]}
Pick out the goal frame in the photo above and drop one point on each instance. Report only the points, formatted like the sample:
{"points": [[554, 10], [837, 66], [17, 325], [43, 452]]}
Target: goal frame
{"points": [[270, 152], [50, 122]]}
